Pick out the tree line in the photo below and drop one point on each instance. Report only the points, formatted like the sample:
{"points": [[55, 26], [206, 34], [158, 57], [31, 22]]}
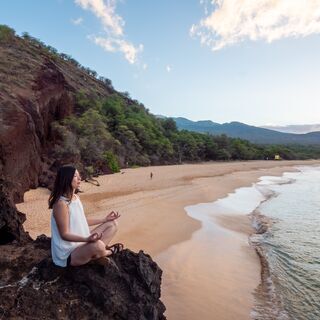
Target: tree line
{"points": [[117, 134]]}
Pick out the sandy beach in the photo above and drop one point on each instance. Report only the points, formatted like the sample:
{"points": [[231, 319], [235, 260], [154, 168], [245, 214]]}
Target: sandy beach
{"points": [[205, 275]]}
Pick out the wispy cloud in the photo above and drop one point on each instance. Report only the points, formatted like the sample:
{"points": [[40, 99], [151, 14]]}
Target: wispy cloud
{"points": [[234, 21], [113, 25], [77, 21], [168, 68], [114, 44], [111, 22]]}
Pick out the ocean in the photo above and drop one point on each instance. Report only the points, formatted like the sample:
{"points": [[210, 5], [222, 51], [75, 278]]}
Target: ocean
{"points": [[288, 221]]}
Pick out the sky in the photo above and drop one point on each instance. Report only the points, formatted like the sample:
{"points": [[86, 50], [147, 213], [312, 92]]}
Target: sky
{"points": [[253, 61]]}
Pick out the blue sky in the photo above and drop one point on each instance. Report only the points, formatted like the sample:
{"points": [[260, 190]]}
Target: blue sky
{"points": [[254, 61]]}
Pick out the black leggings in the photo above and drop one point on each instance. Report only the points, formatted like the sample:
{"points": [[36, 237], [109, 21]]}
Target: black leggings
{"points": [[69, 261]]}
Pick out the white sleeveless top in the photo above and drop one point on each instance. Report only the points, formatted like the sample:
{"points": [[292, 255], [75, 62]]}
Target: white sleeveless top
{"points": [[61, 249]]}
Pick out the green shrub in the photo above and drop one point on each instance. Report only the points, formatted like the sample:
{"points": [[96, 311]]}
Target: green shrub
{"points": [[112, 161]]}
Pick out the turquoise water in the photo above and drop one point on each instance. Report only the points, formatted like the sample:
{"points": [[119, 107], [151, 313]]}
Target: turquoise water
{"points": [[290, 247]]}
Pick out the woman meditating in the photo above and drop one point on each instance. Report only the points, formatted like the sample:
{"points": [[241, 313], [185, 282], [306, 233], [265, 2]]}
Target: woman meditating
{"points": [[72, 243]]}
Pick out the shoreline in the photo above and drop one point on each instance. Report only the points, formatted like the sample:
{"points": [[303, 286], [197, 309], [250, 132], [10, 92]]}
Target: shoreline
{"points": [[153, 214]]}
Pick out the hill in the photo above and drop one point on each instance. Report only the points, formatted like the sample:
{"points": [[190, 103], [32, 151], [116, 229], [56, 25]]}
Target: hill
{"points": [[250, 133]]}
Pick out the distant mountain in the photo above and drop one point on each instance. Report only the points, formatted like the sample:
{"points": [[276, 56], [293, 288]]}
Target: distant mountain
{"points": [[251, 133], [303, 128]]}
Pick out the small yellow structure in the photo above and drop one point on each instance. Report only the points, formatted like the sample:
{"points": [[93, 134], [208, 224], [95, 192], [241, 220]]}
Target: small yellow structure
{"points": [[277, 157]]}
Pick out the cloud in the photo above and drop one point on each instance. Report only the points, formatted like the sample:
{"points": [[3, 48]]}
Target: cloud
{"points": [[113, 26], [168, 68], [113, 45], [144, 66], [234, 21], [77, 21], [111, 22]]}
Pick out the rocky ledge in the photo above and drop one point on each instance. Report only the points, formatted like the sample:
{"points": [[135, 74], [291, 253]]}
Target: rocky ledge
{"points": [[31, 287]]}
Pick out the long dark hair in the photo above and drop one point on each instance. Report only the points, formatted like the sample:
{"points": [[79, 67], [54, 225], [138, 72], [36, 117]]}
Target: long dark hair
{"points": [[62, 184]]}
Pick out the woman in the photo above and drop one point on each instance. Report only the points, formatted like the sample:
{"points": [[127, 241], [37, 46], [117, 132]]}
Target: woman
{"points": [[72, 243]]}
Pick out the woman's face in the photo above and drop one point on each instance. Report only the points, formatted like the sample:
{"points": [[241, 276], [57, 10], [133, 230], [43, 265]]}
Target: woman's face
{"points": [[76, 180]]}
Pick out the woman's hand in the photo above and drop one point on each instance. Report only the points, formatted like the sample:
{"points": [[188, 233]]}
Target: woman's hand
{"points": [[94, 237], [113, 215]]}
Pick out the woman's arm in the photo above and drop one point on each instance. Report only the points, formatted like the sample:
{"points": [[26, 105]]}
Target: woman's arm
{"points": [[94, 221], [110, 217], [61, 215]]}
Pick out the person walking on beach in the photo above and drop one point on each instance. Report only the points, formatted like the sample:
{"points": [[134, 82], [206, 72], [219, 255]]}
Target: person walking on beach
{"points": [[151, 175], [72, 243]]}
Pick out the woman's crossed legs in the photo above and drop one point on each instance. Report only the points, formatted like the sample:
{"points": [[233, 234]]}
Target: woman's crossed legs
{"points": [[95, 250]]}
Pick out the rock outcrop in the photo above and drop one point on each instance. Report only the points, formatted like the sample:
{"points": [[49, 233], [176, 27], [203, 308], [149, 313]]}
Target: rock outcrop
{"points": [[31, 287], [11, 219]]}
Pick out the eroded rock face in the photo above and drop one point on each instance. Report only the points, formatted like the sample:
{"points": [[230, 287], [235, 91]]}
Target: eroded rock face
{"points": [[129, 288], [25, 127], [11, 219]]}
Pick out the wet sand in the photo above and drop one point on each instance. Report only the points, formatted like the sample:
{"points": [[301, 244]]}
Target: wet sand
{"points": [[154, 219]]}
